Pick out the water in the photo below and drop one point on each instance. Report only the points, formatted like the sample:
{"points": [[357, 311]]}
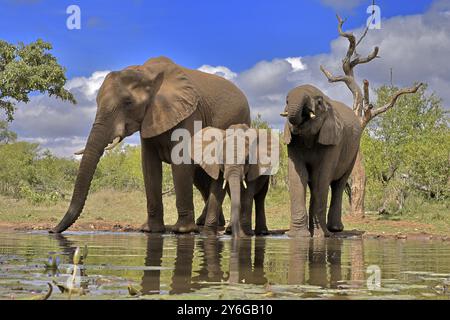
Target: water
{"points": [[192, 267]]}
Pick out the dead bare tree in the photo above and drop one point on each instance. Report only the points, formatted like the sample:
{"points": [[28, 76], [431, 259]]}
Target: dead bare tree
{"points": [[361, 106]]}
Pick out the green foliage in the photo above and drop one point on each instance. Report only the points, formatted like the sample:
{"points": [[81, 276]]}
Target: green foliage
{"points": [[280, 179], [25, 172], [28, 68], [6, 135], [120, 169], [406, 151], [259, 123]]}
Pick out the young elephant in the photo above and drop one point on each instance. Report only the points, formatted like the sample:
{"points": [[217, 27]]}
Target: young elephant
{"points": [[323, 139], [247, 178]]}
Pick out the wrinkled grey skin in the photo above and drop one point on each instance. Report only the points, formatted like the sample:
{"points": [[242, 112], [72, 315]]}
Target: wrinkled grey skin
{"points": [[156, 98], [241, 198], [322, 148]]}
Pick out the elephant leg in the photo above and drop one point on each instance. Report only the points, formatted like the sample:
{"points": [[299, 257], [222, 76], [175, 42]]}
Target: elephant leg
{"points": [[215, 199], [334, 223], [318, 208], [183, 180], [260, 213], [246, 213], [203, 183], [152, 171], [298, 180]]}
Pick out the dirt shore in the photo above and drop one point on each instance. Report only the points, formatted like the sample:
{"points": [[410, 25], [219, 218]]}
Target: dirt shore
{"points": [[103, 226]]}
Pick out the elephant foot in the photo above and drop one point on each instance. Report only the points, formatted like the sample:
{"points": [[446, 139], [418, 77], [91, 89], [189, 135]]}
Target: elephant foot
{"points": [[185, 224], [153, 227], [299, 233], [221, 220], [209, 231], [201, 220], [262, 231], [243, 233], [335, 227], [321, 233]]}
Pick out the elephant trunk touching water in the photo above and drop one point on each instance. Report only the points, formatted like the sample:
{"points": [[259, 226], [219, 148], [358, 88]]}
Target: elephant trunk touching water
{"points": [[97, 141], [234, 182]]}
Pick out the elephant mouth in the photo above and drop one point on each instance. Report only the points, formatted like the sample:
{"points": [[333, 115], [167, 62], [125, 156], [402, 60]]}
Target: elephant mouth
{"points": [[114, 143]]}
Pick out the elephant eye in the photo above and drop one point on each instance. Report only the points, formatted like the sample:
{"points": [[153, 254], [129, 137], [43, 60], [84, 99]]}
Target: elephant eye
{"points": [[128, 102]]}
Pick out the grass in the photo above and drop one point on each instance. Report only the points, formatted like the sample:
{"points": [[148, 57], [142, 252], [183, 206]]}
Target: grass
{"points": [[110, 207]]}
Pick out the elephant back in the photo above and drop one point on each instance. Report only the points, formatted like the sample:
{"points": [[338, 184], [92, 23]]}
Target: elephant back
{"points": [[226, 103]]}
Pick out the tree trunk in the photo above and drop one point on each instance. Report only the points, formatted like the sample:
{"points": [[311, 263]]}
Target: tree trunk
{"points": [[358, 188]]}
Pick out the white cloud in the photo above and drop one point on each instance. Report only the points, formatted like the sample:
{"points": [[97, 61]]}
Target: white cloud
{"points": [[219, 70], [416, 47], [57, 125], [296, 63], [87, 86]]}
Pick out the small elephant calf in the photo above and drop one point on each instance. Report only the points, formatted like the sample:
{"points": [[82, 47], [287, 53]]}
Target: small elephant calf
{"points": [[239, 170]]}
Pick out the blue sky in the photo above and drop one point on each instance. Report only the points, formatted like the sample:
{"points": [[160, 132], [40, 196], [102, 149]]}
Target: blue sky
{"points": [[265, 47], [234, 33]]}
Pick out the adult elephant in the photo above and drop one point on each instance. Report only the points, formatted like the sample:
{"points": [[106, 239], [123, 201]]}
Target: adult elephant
{"points": [[157, 98], [323, 139]]}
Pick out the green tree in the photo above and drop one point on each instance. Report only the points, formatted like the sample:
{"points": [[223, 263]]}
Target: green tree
{"points": [[6, 135], [407, 150], [28, 68]]}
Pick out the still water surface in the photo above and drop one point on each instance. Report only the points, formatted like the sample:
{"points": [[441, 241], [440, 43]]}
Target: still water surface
{"points": [[168, 266]]}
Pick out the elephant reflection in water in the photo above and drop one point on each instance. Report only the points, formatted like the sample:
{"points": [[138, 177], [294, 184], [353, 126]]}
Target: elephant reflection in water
{"points": [[241, 268], [321, 256], [151, 280], [182, 274], [210, 267]]}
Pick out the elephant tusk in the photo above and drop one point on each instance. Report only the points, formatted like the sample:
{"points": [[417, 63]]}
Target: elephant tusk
{"points": [[113, 144], [244, 184], [284, 114], [224, 184], [312, 115], [79, 152]]}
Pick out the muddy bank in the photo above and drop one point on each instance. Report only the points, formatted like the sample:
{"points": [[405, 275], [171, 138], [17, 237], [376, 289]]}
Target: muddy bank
{"points": [[126, 227]]}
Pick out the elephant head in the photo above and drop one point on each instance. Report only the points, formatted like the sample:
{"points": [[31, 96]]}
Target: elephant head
{"points": [[242, 165], [151, 98], [310, 113]]}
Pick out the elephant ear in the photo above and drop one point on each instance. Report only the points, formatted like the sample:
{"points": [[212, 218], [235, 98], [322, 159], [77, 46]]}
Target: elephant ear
{"points": [[331, 130], [266, 154], [206, 143], [175, 100]]}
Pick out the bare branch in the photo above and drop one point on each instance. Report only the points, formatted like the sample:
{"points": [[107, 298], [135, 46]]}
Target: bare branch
{"points": [[394, 98], [370, 57], [348, 35], [363, 35], [366, 93], [351, 47], [332, 78]]}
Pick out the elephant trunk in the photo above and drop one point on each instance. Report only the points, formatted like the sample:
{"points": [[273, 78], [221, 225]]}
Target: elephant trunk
{"points": [[235, 194], [97, 141], [296, 111]]}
